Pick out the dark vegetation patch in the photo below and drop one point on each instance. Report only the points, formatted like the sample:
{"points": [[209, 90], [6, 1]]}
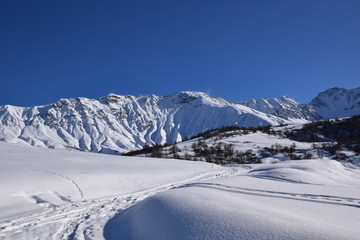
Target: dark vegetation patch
{"points": [[338, 133], [330, 137]]}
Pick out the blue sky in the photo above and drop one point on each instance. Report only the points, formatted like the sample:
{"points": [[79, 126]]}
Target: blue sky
{"points": [[238, 50]]}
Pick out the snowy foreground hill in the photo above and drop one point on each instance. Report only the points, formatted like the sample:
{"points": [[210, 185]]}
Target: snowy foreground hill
{"points": [[116, 124], [57, 194]]}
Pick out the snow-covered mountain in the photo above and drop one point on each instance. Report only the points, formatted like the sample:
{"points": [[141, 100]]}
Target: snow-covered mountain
{"points": [[284, 107], [337, 102], [115, 123], [332, 103], [120, 123]]}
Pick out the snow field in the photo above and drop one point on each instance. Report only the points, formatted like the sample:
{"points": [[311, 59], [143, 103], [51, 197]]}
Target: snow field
{"points": [[46, 194], [249, 206], [57, 194]]}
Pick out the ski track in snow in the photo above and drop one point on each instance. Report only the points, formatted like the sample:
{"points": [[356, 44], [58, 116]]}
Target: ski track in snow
{"points": [[67, 178], [323, 199], [86, 219]]}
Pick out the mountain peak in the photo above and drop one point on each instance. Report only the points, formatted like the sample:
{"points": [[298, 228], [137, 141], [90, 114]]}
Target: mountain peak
{"points": [[186, 97], [337, 102], [194, 94]]}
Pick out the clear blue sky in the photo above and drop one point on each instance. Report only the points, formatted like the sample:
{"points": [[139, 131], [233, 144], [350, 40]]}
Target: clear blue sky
{"points": [[238, 50]]}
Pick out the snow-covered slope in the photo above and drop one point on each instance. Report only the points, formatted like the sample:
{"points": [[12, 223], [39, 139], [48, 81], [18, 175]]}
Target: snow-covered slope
{"points": [[334, 139], [116, 123], [332, 103], [283, 107], [337, 103], [311, 199], [59, 194]]}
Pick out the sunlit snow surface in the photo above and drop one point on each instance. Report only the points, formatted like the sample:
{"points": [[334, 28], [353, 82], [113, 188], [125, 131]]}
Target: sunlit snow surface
{"points": [[51, 194], [57, 194], [312, 199]]}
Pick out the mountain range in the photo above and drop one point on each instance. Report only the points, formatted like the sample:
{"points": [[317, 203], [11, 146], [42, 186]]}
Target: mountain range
{"points": [[116, 124]]}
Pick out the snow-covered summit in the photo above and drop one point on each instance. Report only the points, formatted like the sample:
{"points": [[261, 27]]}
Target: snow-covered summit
{"points": [[337, 102], [332, 103]]}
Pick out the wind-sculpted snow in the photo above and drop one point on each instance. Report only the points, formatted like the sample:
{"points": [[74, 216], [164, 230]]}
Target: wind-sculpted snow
{"points": [[288, 200], [325, 172], [114, 123], [58, 194]]}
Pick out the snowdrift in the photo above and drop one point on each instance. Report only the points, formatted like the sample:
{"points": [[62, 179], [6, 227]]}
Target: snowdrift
{"points": [[316, 171], [252, 207]]}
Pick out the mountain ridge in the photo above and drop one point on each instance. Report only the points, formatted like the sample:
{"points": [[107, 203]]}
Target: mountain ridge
{"points": [[116, 123]]}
